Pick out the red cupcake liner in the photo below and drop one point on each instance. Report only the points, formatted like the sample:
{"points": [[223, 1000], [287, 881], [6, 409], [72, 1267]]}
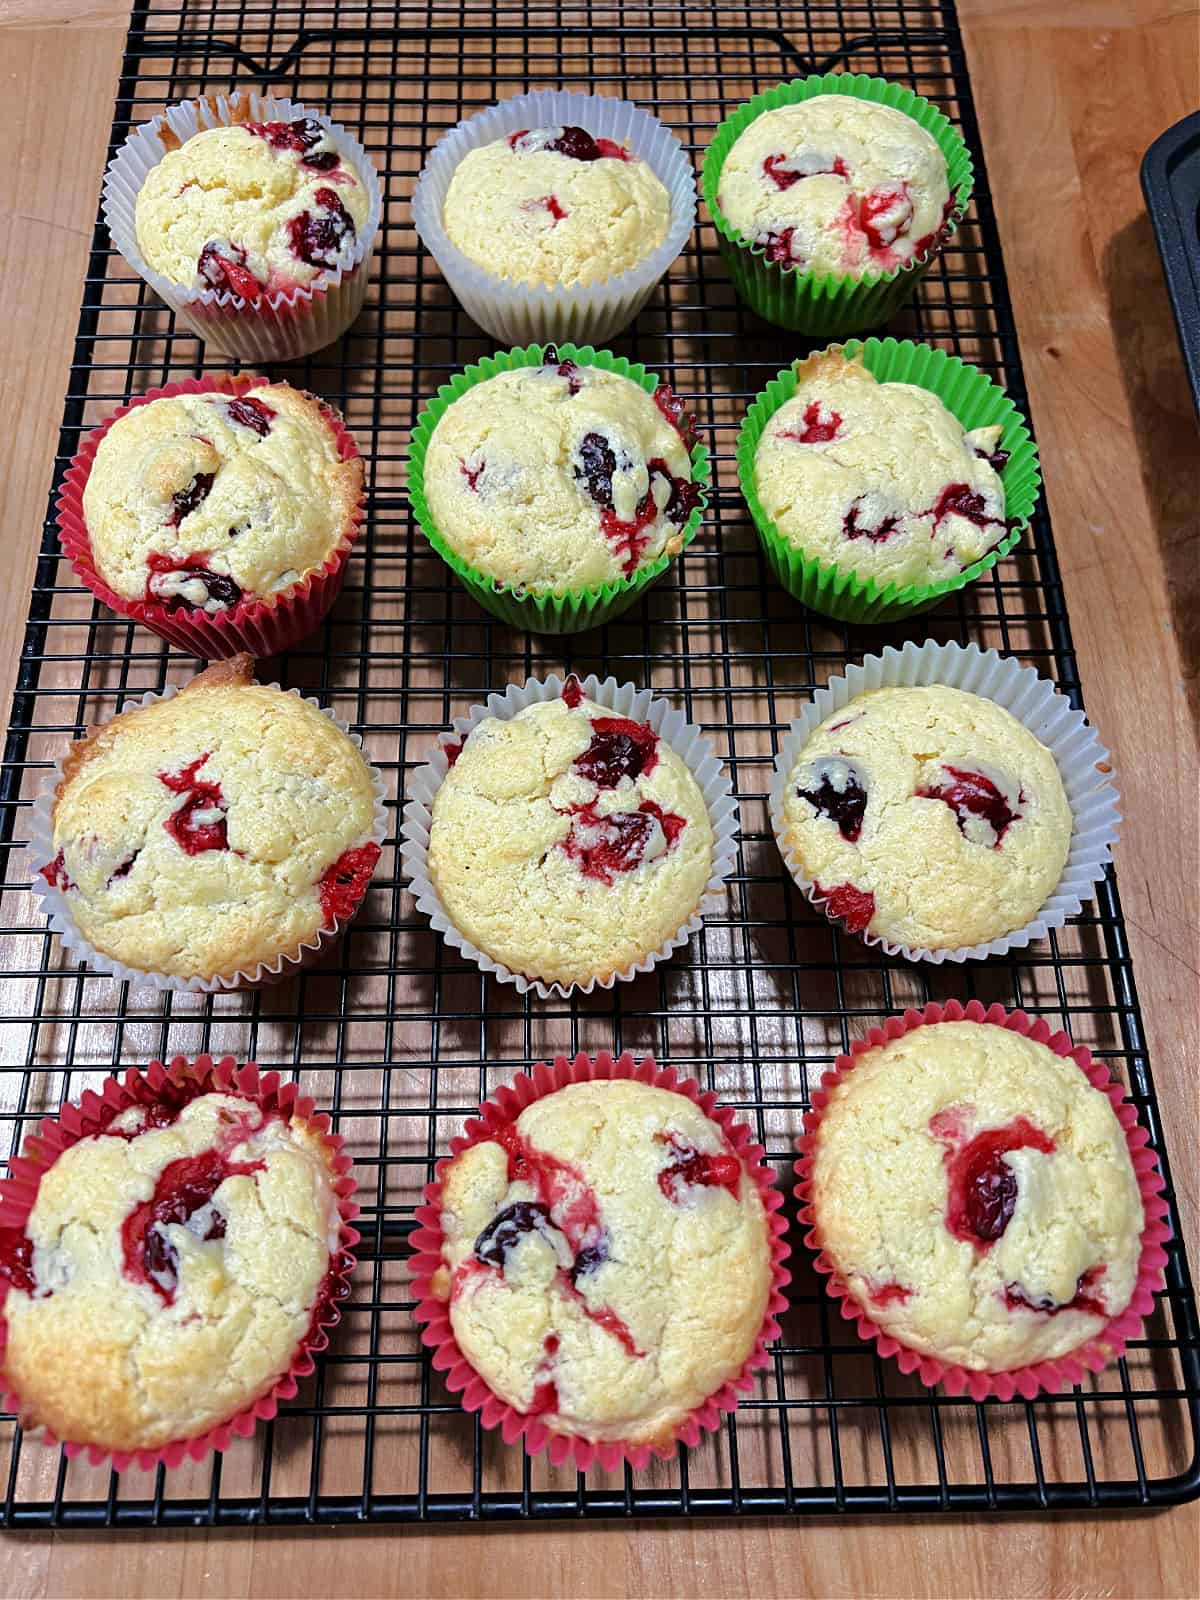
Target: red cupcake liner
{"points": [[1105, 1346], [182, 1081], [259, 627], [434, 1314]]}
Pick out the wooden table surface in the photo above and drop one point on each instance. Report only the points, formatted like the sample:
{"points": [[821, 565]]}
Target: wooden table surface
{"points": [[1069, 97]]}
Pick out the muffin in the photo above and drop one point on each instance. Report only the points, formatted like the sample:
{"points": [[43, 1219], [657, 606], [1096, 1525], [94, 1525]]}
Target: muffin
{"points": [[206, 501], [567, 843], [171, 1269], [551, 206], [879, 479], [928, 817], [250, 209], [976, 1195], [560, 476], [605, 1259], [200, 836], [834, 184]]}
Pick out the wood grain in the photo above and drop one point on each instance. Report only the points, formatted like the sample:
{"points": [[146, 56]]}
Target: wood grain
{"points": [[1061, 92]]}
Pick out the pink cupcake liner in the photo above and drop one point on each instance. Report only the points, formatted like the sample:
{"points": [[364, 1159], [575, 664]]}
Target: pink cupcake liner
{"points": [[434, 1314], [261, 627], [1050, 1377], [182, 1081]]}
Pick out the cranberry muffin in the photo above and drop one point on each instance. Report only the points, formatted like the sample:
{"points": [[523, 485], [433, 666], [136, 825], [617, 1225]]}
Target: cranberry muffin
{"points": [[169, 1271], [879, 479], [561, 476], [251, 209], [927, 816], [200, 836], [568, 843], [976, 1195], [203, 501], [578, 1260], [555, 206], [834, 184]]}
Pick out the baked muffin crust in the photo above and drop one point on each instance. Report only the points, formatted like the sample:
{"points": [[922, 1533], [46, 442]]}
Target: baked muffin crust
{"points": [[605, 1259]]}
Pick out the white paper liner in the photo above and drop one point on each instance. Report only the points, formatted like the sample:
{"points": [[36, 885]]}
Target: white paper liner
{"points": [[1083, 763], [278, 327], [518, 313], [58, 911], [672, 727]]}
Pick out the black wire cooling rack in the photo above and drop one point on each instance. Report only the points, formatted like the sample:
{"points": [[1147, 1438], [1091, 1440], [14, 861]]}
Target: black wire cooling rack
{"points": [[393, 1033]]}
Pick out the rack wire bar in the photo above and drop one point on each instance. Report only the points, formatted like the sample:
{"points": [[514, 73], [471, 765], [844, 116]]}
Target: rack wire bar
{"points": [[394, 1034]]}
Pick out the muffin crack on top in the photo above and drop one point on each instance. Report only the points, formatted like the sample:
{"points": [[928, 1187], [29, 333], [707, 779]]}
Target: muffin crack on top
{"points": [[212, 831], [835, 184]]}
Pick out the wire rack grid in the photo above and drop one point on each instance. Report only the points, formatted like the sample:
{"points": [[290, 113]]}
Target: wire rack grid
{"points": [[393, 1033]]}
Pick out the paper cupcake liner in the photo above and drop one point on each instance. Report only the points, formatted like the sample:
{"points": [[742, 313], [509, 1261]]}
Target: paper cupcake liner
{"points": [[57, 906], [260, 627], [828, 304], [275, 327], [574, 610], [434, 1315], [177, 1084], [517, 313], [970, 396], [640, 705], [1051, 1376], [1083, 763]]}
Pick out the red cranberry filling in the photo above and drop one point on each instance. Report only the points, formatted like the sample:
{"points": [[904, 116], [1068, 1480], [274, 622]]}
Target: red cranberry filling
{"points": [[943, 230], [452, 751], [566, 368], [692, 1168], [604, 846], [343, 884], [572, 692], [853, 529], [996, 459], [846, 805], [16, 1262], [219, 586], [507, 1228], [603, 1316], [777, 247], [821, 424], [570, 141], [970, 794], [884, 214], [550, 203], [619, 749], [961, 500], [183, 1188], [1015, 1297], [300, 135], [191, 836], [560, 1187], [784, 171], [854, 907], [319, 239], [890, 1294], [674, 407], [251, 413], [982, 1186], [596, 462], [123, 870], [471, 474], [223, 266], [56, 874], [185, 501]]}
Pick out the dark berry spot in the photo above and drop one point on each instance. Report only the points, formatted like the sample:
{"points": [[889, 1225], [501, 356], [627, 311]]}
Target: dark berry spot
{"points": [[971, 794], [619, 749], [852, 906], [777, 247], [982, 1187], [343, 884], [839, 793], [223, 266], [319, 239], [251, 413], [505, 1231], [691, 1168], [589, 1259], [576, 143], [960, 500], [167, 575], [852, 528], [595, 464], [1083, 1299], [604, 846], [996, 459], [183, 1187], [674, 407], [123, 870], [185, 501]]}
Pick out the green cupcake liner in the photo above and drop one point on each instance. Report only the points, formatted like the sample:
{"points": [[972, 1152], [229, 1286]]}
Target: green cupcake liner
{"points": [[975, 400], [826, 304], [574, 610]]}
